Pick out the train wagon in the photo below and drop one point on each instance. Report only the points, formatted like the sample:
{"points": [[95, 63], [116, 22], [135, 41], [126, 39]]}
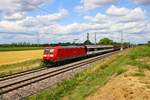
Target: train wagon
{"points": [[61, 53], [57, 54]]}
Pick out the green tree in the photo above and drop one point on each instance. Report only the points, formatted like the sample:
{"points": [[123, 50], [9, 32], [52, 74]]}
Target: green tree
{"points": [[87, 42], [106, 41]]}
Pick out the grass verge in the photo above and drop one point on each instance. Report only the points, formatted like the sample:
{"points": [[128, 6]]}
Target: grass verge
{"points": [[138, 54], [84, 83], [19, 67], [87, 82]]}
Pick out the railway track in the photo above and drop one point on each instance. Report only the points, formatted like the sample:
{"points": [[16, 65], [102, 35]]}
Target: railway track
{"points": [[6, 77], [13, 83]]}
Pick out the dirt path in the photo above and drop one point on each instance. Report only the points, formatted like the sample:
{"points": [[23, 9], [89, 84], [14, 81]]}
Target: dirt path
{"points": [[126, 86]]}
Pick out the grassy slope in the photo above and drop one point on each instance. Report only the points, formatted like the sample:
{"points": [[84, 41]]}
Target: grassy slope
{"points": [[88, 81], [19, 67], [19, 48]]}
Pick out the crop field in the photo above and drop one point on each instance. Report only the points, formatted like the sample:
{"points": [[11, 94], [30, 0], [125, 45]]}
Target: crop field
{"points": [[19, 56], [17, 61]]}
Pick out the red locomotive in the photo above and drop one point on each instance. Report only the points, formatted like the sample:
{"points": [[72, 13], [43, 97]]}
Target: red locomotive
{"points": [[62, 53], [54, 55]]}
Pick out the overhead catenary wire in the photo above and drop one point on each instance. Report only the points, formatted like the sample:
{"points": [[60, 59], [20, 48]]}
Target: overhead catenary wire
{"points": [[44, 10]]}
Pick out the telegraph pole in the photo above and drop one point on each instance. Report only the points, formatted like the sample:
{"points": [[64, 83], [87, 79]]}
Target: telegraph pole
{"points": [[88, 36], [121, 41], [74, 41], [95, 38], [38, 39]]}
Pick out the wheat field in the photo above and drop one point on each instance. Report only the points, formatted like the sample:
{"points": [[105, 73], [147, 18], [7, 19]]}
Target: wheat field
{"points": [[19, 56]]}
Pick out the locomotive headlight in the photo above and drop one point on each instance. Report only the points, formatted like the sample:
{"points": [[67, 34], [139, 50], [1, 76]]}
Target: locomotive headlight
{"points": [[51, 55], [44, 55]]}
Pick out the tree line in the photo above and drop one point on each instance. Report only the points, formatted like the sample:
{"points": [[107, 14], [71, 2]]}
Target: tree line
{"points": [[103, 41]]}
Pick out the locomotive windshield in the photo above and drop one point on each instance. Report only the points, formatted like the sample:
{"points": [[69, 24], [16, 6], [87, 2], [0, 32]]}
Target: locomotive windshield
{"points": [[48, 51]]}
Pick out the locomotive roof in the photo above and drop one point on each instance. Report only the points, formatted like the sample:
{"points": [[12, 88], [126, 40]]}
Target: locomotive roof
{"points": [[72, 46], [65, 46]]}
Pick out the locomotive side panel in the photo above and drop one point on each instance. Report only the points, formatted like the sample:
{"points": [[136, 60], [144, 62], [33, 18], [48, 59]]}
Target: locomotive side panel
{"points": [[69, 53]]}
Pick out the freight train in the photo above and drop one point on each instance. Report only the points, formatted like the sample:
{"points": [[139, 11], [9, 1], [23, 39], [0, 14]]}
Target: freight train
{"points": [[57, 54]]}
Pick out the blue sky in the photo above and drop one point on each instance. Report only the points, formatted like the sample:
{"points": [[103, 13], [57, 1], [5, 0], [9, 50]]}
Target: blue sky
{"points": [[53, 21]]}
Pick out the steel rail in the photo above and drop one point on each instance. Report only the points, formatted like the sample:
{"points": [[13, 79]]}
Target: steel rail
{"points": [[25, 82], [28, 72], [21, 73]]}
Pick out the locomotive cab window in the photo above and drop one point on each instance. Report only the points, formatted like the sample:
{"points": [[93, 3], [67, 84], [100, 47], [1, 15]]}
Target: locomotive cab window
{"points": [[49, 51]]}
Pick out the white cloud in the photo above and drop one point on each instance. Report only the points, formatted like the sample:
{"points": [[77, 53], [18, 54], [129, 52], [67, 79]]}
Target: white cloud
{"points": [[108, 24], [125, 14], [115, 11], [92, 4], [130, 21], [10, 26], [136, 14], [31, 23], [70, 28], [144, 2], [17, 9], [15, 16], [53, 17], [99, 18], [74, 28], [41, 20]]}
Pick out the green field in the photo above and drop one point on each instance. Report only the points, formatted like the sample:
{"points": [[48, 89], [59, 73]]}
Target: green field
{"points": [[19, 48], [87, 82]]}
